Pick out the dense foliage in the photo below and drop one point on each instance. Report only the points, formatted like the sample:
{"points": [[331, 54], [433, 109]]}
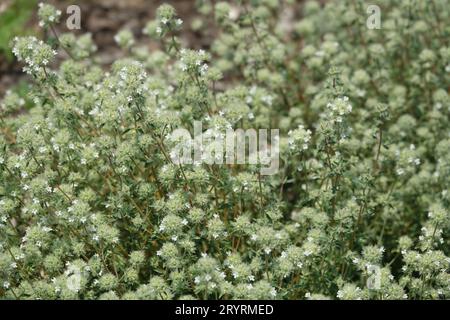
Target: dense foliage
{"points": [[14, 17], [93, 207]]}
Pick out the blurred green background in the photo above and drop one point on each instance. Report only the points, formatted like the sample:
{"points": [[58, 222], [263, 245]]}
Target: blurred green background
{"points": [[14, 17]]}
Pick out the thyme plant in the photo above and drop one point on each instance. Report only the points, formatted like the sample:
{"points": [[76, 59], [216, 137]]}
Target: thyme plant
{"points": [[92, 206]]}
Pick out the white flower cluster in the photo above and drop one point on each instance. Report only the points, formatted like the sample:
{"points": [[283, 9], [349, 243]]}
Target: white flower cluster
{"points": [[35, 53], [339, 108], [48, 15], [167, 20], [194, 62], [299, 139], [124, 38], [94, 205]]}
